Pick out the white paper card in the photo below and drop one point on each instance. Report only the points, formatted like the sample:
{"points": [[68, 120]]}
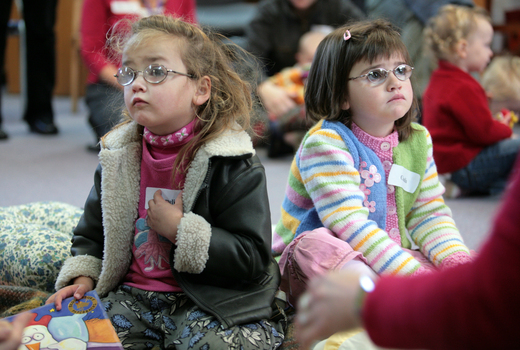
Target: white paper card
{"points": [[404, 178], [168, 195]]}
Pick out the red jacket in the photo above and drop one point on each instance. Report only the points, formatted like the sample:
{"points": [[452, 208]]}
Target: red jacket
{"points": [[471, 306], [98, 17], [456, 112]]}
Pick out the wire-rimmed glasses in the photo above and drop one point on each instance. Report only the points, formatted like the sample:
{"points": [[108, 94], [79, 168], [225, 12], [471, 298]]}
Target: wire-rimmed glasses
{"points": [[154, 74], [378, 76]]}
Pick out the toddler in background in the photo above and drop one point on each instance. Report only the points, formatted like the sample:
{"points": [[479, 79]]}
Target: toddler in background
{"points": [[472, 148], [292, 125], [176, 233], [501, 81], [363, 191]]}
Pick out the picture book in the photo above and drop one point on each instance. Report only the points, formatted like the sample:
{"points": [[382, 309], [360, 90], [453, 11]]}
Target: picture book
{"points": [[79, 325]]}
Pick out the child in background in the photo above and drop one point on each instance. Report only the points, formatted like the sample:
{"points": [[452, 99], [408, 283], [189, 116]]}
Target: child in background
{"points": [[501, 81], [177, 226], [292, 125], [473, 148], [363, 189]]}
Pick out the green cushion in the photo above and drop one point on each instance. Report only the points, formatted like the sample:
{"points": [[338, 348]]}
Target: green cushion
{"points": [[34, 242]]}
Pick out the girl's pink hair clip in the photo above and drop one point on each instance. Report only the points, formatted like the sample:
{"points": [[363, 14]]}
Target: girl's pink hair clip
{"points": [[346, 35]]}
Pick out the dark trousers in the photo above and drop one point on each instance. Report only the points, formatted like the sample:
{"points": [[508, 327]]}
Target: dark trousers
{"points": [[39, 17]]}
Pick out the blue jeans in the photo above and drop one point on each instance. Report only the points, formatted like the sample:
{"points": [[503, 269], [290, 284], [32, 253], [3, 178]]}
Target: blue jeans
{"points": [[489, 171]]}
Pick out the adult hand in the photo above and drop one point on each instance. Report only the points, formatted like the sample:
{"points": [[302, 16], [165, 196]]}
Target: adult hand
{"points": [[276, 100], [81, 285], [163, 217], [11, 333], [328, 306]]}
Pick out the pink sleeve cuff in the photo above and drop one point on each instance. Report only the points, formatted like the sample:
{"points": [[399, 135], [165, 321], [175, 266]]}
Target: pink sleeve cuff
{"points": [[422, 271], [455, 259]]}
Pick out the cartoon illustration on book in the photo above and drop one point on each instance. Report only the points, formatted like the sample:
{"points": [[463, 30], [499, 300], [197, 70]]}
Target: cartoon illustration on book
{"points": [[79, 325]]}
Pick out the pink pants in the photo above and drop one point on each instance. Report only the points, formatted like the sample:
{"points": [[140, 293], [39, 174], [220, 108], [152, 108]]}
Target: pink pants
{"points": [[314, 253]]}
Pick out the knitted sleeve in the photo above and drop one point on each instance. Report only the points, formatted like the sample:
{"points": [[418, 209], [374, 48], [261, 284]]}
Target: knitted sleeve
{"points": [[430, 222], [332, 181]]}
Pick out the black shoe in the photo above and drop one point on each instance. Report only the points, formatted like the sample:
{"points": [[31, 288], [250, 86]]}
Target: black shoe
{"points": [[3, 135], [43, 128]]}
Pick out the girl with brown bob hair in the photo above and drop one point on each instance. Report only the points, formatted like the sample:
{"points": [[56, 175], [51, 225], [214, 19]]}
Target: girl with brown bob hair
{"points": [[363, 192]]}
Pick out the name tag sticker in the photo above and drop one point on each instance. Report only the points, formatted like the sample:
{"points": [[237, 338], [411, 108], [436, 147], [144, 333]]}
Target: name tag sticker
{"points": [[168, 195], [404, 178]]}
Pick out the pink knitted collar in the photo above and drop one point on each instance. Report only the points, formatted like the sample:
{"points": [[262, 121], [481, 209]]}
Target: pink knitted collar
{"points": [[174, 139]]}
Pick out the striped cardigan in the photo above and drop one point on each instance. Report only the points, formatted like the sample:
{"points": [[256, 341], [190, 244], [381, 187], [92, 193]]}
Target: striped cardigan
{"points": [[324, 190]]}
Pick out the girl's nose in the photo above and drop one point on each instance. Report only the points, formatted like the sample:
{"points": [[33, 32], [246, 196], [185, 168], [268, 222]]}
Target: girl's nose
{"points": [[139, 84], [392, 82]]}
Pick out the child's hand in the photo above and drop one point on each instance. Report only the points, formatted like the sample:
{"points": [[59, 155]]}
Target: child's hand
{"points": [[275, 99], [164, 217], [11, 333], [78, 289], [507, 117], [330, 305]]}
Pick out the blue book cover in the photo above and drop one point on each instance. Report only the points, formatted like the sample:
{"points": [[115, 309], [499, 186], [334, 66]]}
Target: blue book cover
{"points": [[79, 325]]}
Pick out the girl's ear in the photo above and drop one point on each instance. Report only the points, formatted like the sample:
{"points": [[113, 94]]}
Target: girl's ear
{"points": [[461, 48], [203, 91], [345, 105]]}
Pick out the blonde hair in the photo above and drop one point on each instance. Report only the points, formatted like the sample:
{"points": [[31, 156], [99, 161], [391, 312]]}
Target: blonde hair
{"points": [[502, 78], [451, 24], [232, 71]]}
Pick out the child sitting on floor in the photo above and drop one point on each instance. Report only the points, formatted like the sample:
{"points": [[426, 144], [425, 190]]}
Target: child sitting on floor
{"points": [[501, 81], [291, 126], [475, 149], [363, 191]]}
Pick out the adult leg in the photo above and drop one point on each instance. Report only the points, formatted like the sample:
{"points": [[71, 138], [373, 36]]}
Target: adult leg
{"points": [[40, 17], [489, 171], [5, 12], [105, 104]]}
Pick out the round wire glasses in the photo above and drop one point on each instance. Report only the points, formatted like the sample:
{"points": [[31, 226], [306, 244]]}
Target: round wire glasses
{"points": [[378, 76], [154, 74]]}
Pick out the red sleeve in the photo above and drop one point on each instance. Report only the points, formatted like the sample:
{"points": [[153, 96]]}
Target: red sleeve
{"points": [[470, 107], [184, 9], [472, 306], [93, 28], [96, 20]]}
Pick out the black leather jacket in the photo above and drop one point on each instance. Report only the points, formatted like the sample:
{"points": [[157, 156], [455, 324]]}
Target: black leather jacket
{"points": [[241, 277], [225, 193]]}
